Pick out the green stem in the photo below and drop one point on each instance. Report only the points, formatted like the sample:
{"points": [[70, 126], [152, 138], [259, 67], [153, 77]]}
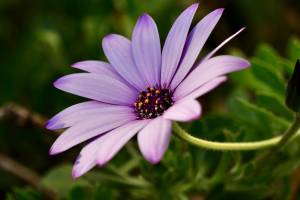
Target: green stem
{"points": [[290, 132], [239, 146]]}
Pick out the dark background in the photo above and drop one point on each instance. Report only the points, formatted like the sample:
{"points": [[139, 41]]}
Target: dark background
{"points": [[39, 40]]}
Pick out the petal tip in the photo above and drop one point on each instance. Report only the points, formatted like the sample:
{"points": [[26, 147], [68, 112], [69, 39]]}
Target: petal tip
{"points": [[49, 124], [245, 63], [107, 38], [54, 150], [144, 16], [101, 162], [220, 10], [194, 5], [154, 161], [145, 20], [75, 174], [57, 84], [76, 65]]}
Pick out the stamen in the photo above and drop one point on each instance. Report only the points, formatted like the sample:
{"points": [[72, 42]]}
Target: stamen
{"points": [[152, 102]]}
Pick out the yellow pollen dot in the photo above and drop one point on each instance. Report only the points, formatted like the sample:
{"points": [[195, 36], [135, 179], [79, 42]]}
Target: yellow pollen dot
{"points": [[157, 91], [146, 111], [151, 89], [140, 104], [146, 100], [156, 101], [148, 94], [135, 104]]}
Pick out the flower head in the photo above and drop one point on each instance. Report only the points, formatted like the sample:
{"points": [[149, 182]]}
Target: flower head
{"points": [[141, 90]]}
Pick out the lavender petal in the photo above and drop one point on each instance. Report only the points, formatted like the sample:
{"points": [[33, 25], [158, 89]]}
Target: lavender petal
{"points": [[97, 87], [98, 67], [153, 140], [113, 141], [84, 111], [195, 42], [183, 111], [88, 129], [206, 71], [146, 49], [173, 47], [118, 51]]}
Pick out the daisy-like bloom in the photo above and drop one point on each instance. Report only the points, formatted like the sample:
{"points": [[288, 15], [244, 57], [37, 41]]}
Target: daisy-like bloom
{"points": [[141, 90]]}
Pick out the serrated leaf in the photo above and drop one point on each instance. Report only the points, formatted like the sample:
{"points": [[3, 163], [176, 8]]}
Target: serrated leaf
{"points": [[274, 104], [294, 49], [253, 115], [268, 54], [264, 73]]}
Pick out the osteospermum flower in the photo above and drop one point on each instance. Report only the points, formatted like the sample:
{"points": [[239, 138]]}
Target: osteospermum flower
{"points": [[141, 90]]}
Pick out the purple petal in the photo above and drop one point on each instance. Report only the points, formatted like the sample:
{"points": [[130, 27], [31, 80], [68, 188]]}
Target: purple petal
{"points": [[83, 111], [88, 156], [89, 128], [184, 110], [154, 139], [112, 142], [97, 87], [206, 71], [86, 160], [205, 88], [97, 67], [118, 51], [195, 42], [221, 45], [174, 44], [146, 49]]}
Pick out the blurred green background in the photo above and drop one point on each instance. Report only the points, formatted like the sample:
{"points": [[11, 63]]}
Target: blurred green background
{"points": [[41, 39]]}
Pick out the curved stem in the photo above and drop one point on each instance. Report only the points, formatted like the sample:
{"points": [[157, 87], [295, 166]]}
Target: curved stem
{"points": [[239, 146], [290, 132]]}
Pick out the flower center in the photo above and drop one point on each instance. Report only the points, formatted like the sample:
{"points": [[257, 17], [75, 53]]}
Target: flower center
{"points": [[152, 102]]}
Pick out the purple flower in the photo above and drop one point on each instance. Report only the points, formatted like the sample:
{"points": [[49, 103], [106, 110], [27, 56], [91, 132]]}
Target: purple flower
{"points": [[141, 90]]}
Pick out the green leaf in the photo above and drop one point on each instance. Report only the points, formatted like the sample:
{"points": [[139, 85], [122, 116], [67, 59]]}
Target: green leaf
{"points": [[259, 117], [274, 104], [267, 54], [26, 193], [264, 73], [294, 49], [59, 179], [102, 192]]}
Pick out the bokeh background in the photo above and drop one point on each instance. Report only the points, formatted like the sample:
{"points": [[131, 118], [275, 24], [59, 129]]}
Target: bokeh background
{"points": [[39, 40]]}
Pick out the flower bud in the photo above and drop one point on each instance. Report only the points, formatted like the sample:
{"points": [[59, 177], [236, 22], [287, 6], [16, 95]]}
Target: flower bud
{"points": [[293, 90]]}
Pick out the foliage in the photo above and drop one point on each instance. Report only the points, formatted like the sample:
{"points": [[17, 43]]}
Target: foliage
{"points": [[40, 47]]}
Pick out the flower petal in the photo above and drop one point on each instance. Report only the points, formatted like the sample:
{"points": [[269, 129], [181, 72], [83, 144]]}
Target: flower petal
{"points": [[207, 87], [195, 42], [97, 67], [88, 129], [113, 141], [173, 47], [221, 45], [84, 111], [154, 139], [146, 49], [206, 71], [118, 51], [86, 160], [88, 156], [184, 110], [97, 87]]}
